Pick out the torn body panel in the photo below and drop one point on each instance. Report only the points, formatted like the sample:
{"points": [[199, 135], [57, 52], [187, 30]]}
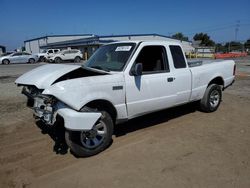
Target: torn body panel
{"points": [[78, 121], [73, 120]]}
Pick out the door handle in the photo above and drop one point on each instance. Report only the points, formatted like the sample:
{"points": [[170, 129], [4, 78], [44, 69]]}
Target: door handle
{"points": [[171, 79]]}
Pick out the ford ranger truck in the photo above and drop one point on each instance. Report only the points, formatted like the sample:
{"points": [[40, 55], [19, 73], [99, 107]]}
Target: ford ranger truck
{"points": [[121, 81]]}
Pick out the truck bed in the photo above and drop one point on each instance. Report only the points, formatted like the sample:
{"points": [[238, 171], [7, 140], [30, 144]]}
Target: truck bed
{"points": [[199, 62], [207, 70]]}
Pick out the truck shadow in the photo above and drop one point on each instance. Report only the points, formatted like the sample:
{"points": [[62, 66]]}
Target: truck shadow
{"points": [[154, 119], [57, 134]]}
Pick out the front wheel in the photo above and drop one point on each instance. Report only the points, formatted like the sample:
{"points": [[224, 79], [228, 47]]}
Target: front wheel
{"points": [[211, 99], [31, 61], [91, 142], [77, 59], [5, 62], [58, 60]]}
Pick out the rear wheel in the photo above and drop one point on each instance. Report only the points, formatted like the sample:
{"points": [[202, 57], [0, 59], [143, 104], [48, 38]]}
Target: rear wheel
{"points": [[31, 61], [211, 99], [77, 59], [58, 60], [91, 142], [5, 61]]}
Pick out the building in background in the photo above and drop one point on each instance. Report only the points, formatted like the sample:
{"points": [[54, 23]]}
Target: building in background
{"points": [[89, 43], [35, 45], [202, 51], [205, 51], [2, 49]]}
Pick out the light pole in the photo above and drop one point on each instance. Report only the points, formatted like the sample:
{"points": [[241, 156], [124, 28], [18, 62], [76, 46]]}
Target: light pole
{"points": [[237, 29]]}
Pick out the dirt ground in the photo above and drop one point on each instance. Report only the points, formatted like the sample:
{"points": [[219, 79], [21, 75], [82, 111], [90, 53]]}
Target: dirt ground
{"points": [[179, 147]]}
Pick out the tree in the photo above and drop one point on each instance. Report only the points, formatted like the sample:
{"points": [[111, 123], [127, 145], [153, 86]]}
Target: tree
{"points": [[204, 38], [180, 36]]}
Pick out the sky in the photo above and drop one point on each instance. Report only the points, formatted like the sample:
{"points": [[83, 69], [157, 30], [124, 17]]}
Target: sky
{"points": [[27, 19]]}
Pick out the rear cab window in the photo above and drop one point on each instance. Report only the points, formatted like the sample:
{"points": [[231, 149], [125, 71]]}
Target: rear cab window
{"points": [[178, 57]]}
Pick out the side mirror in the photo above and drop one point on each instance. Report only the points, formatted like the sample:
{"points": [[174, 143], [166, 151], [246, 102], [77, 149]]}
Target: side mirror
{"points": [[137, 71]]}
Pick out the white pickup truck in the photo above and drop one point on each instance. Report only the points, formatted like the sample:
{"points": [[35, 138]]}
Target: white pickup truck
{"points": [[119, 82]]}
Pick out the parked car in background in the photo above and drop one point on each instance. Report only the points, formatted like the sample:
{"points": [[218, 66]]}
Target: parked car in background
{"points": [[45, 53], [66, 55], [19, 57]]}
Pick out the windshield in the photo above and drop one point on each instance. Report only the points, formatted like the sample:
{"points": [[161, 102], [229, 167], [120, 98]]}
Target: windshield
{"points": [[44, 51], [111, 57], [5, 54]]}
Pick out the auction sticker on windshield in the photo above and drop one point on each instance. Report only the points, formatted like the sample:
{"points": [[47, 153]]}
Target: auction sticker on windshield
{"points": [[123, 48]]}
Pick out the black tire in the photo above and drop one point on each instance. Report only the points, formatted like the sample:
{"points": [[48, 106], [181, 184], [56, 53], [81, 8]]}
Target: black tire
{"points": [[58, 60], [76, 139], [211, 99], [6, 61], [42, 59], [77, 59], [32, 60]]}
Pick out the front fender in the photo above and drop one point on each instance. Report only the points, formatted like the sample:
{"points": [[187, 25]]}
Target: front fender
{"points": [[78, 92]]}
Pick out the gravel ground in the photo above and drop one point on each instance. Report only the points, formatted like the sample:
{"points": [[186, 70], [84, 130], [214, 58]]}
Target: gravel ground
{"points": [[178, 147]]}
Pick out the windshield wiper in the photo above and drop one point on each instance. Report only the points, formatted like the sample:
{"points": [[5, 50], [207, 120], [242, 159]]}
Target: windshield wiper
{"points": [[100, 68]]}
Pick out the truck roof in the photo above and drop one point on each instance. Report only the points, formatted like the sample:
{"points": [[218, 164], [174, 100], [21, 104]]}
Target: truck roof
{"points": [[150, 41]]}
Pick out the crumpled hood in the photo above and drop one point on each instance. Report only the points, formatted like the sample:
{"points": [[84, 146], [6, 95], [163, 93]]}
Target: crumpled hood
{"points": [[44, 76]]}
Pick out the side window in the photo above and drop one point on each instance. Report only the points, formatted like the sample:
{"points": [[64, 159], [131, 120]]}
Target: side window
{"points": [[55, 51], [17, 54], [178, 58], [153, 59], [50, 51]]}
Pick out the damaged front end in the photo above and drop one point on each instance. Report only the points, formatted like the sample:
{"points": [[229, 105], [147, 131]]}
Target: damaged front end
{"points": [[47, 109], [44, 106]]}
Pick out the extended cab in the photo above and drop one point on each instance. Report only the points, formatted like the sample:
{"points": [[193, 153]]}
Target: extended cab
{"points": [[121, 81]]}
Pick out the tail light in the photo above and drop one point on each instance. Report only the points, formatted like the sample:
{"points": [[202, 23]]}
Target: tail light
{"points": [[234, 69]]}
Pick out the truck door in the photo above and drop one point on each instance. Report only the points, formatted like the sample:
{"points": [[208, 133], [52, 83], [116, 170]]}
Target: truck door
{"points": [[182, 75], [154, 89]]}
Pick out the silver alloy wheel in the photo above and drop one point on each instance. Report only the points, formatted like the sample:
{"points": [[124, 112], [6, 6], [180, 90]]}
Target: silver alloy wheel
{"points": [[5, 61], [31, 61], [77, 59], [214, 98], [57, 60], [93, 138]]}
